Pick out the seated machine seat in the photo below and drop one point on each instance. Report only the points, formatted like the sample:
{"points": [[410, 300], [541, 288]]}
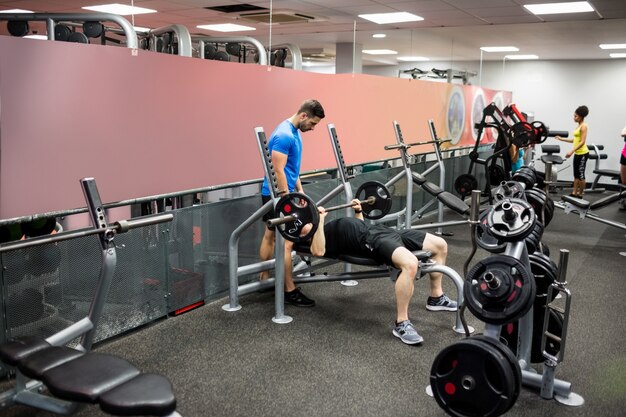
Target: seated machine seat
{"points": [[20, 348], [578, 202], [431, 188], [453, 202], [85, 378], [146, 394], [34, 366], [553, 159], [418, 179]]}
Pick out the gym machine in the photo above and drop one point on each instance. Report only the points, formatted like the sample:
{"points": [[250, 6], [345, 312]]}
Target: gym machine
{"points": [[74, 376], [502, 290]]}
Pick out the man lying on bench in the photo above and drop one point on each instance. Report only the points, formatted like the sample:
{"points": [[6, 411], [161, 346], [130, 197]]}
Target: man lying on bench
{"points": [[352, 236]]}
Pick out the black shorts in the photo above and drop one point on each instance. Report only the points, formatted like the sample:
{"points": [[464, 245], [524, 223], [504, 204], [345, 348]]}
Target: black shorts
{"points": [[622, 160], [383, 241], [580, 164], [270, 213]]}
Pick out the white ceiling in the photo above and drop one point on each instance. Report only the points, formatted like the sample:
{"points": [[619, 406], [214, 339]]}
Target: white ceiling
{"points": [[452, 30]]}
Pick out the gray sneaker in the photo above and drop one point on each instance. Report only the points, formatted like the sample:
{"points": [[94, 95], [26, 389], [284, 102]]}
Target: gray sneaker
{"points": [[442, 303], [407, 333]]}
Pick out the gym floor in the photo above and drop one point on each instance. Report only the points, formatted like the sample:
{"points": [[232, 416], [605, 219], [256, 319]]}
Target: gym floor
{"points": [[340, 358]]}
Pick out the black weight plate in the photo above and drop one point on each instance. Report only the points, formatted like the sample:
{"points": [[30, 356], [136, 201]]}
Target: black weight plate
{"points": [[209, 51], [472, 378], [523, 134], [484, 238], [510, 334], [301, 206], [496, 174], [382, 204], [499, 289], [10, 232], [233, 48], [221, 56], [508, 189], [515, 229], [39, 227], [78, 37], [61, 33], [17, 28], [513, 362], [544, 271], [93, 29], [464, 184]]}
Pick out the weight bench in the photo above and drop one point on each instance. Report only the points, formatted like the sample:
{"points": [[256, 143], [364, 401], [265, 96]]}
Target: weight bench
{"points": [[426, 265], [595, 154], [584, 207], [75, 377], [447, 198]]}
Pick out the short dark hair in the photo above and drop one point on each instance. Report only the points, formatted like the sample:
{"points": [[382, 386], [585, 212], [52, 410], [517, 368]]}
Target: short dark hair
{"points": [[312, 108], [582, 111]]}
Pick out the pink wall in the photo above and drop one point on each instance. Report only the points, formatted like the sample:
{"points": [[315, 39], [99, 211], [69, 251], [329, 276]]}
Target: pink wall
{"points": [[153, 123]]}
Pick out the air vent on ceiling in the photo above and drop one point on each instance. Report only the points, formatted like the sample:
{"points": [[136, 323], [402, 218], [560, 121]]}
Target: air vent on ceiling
{"points": [[279, 16]]}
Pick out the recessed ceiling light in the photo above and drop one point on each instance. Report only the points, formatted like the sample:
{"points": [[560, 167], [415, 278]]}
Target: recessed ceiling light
{"points": [[41, 37], [121, 9], [412, 58], [379, 52], [226, 27], [379, 35], [16, 11], [519, 57], [618, 55], [383, 18], [556, 8], [613, 46], [499, 48]]}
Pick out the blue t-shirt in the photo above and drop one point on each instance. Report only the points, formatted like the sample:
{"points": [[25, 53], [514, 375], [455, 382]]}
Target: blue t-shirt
{"points": [[286, 139]]}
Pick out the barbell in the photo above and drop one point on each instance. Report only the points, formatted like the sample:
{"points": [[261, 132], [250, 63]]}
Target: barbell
{"points": [[409, 145], [294, 210]]}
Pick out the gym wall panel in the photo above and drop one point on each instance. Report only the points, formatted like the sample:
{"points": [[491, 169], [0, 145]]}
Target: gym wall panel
{"points": [[151, 123]]}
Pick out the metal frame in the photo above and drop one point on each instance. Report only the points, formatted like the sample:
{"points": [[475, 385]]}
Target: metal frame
{"points": [[52, 18]]}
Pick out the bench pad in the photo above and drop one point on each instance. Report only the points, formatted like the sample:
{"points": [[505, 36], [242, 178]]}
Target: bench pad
{"points": [[146, 394]]}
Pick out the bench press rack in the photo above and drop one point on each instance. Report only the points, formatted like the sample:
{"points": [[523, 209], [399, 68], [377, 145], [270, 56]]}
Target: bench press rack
{"points": [[305, 269], [75, 376], [413, 178]]}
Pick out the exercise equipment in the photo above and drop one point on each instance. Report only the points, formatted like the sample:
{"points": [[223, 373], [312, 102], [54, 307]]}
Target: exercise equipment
{"points": [[295, 210], [511, 219], [76, 375], [584, 208], [462, 386], [17, 28], [499, 289]]}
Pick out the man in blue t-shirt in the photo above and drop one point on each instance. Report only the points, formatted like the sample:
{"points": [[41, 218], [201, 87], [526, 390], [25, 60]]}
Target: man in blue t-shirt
{"points": [[285, 146]]}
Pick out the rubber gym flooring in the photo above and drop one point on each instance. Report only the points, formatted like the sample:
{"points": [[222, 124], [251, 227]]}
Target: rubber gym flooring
{"points": [[341, 359]]}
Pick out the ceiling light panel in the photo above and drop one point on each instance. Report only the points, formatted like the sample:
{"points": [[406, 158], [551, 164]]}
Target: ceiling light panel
{"points": [[120, 9], [520, 57], [499, 48], [379, 52], [613, 46], [558, 8], [386, 18], [226, 27]]}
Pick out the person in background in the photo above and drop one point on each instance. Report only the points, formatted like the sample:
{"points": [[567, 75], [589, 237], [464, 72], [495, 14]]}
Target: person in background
{"points": [[622, 160], [579, 150], [285, 147]]}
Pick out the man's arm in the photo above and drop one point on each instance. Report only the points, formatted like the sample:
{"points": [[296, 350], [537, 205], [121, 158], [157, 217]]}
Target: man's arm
{"points": [[279, 160], [318, 244]]}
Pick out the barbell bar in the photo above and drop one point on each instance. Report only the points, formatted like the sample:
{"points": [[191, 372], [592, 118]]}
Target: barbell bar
{"points": [[292, 217], [408, 145], [114, 228]]}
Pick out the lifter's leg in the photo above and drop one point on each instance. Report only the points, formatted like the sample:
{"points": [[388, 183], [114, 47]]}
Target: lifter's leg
{"points": [[438, 301], [407, 263], [266, 251]]}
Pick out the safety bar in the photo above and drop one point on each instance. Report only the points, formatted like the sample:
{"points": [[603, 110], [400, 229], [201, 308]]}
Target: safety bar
{"points": [[260, 49], [181, 32], [52, 18]]}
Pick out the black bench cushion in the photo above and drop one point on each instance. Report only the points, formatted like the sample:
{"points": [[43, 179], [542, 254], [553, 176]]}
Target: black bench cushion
{"points": [[607, 173], [86, 378], [432, 188], [34, 366], [453, 202], [146, 394], [304, 248], [19, 348], [419, 179], [578, 202]]}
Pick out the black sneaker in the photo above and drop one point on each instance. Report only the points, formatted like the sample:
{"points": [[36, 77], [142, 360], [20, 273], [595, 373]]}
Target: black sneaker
{"points": [[296, 298]]}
